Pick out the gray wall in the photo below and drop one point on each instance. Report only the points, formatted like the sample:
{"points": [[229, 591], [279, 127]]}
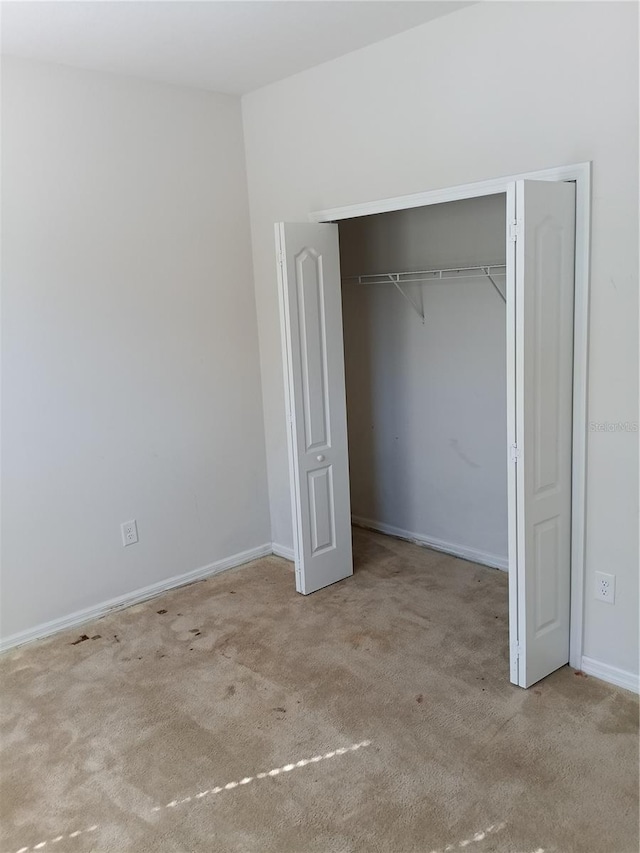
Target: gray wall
{"points": [[130, 373], [494, 89], [426, 404]]}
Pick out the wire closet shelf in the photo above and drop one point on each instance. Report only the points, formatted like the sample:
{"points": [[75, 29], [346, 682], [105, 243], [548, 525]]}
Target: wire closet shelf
{"points": [[398, 279]]}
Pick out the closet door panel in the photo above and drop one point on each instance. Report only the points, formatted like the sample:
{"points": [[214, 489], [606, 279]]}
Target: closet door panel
{"points": [[545, 250], [311, 324], [312, 345], [322, 509]]}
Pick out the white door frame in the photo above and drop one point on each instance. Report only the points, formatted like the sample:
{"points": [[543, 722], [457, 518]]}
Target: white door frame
{"points": [[581, 174]]}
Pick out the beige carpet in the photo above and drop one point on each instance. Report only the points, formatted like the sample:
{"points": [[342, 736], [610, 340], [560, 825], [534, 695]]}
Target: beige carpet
{"points": [[376, 715]]}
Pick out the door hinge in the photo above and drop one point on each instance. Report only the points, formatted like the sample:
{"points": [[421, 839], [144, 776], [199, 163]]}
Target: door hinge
{"points": [[515, 453], [514, 231], [517, 650], [281, 258]]}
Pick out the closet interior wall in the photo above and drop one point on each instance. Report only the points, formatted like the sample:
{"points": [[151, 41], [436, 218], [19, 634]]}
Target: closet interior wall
{"points": [[426, 403]]}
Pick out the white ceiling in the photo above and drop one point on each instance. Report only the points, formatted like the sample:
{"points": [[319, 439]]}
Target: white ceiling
{"points": [[231, 46]]}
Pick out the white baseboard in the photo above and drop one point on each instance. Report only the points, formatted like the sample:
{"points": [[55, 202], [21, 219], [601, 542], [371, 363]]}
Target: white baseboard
{"points": [[283, 551], [472, 554], [619, 677], [135, 597]]}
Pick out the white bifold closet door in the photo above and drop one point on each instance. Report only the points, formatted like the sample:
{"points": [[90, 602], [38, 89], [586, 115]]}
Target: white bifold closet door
{"points": [[542, 396], [313, 354], [539, 329]]}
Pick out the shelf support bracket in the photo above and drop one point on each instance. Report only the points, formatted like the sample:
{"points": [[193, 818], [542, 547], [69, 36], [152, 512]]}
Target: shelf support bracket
{"points": [[492, 280], [419, 311]]}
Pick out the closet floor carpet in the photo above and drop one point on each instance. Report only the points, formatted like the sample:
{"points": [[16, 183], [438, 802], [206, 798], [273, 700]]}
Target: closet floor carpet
{"points": [[375, 715]]}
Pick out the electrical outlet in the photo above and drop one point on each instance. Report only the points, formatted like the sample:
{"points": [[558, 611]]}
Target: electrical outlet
{"points": [[129, 532], [605, 587]]}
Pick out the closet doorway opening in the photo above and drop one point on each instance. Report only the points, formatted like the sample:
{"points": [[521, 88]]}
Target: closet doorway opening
{"points": [[468, 424], [423, 310]]}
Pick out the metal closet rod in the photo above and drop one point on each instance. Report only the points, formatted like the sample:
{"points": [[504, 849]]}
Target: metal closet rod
{"points": [[421, 276], [428, 275]]}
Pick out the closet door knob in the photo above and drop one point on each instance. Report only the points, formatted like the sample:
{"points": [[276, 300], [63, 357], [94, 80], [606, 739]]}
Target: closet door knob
{"points": [[320, 457]]}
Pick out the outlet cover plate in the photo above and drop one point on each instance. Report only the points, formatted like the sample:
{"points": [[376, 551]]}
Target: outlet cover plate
{"points": [[129, 532], [605, 587]]}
